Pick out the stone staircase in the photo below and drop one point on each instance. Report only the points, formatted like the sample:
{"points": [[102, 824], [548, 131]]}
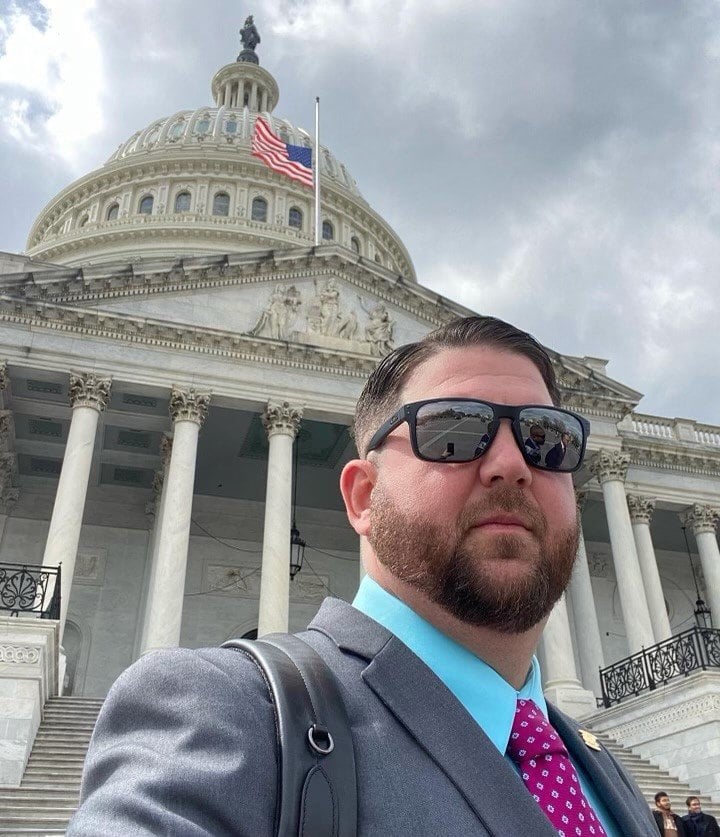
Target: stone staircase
{"points": [[48, 795], [651, 779]]}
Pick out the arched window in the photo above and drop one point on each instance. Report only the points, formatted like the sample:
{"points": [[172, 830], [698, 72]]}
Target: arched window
{"points": [[355, 245], [328, 233], [284, 135], [146, 205], [112, 212], [295, 218], [177, 130], [202, 126], [182, 202], [231, 126], [83, 220], [221, 204], [259, 209]]}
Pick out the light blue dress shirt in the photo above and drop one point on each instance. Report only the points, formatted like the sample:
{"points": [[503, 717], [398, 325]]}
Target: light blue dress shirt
{"points": [[489, 699]]}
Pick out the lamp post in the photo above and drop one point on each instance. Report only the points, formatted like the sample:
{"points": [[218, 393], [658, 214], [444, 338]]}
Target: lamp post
{"points": [[297, 544], [703, 617]]}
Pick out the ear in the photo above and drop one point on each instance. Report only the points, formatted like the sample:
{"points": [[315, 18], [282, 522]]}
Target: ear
{"points": [[356, 484]]}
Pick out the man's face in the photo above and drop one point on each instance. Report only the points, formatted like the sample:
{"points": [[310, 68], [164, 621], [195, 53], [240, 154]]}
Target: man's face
{"points": [[492, 542], [537, 436], [694, 806], [664, 803]]}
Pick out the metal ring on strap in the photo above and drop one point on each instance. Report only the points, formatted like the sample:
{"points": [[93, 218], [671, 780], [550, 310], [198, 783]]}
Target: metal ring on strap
{"points": [[317, 734]]}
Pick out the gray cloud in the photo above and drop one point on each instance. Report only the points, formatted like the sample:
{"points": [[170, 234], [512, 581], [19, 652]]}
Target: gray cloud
{"points": [[553, 163]]}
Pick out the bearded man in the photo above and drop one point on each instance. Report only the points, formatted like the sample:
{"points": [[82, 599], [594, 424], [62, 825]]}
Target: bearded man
{"points": [[467, 546]]}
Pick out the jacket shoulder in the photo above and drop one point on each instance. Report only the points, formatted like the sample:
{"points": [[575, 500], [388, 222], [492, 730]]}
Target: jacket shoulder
{"points": [[179, 734]]}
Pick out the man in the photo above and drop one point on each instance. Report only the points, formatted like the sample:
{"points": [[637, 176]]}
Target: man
{"points": [[668, 823], [534, 443], [555, 457], [697, 823], [466, 552]]}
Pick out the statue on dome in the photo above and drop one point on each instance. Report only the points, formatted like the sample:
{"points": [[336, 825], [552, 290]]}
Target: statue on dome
{"points": [[250, 38]]}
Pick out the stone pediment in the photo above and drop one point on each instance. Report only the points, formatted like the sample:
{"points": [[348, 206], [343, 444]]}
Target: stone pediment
{"points": [[318, 301], [587, 388]]}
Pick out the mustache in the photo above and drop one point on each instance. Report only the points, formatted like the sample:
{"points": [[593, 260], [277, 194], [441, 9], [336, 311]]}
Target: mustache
{"points": [[508, 499]]}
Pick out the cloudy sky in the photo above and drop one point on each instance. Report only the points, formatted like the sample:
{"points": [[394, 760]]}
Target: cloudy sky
{"points": [[555, 163]]}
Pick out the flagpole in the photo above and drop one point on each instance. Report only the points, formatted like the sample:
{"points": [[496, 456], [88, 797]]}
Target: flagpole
{"points": [[318, 228]]}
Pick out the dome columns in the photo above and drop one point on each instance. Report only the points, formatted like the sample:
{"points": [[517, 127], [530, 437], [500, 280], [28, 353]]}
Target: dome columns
{"points": [[239, 83]]}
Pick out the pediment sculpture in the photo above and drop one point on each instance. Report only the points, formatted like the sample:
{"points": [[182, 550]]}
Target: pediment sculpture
{"points": [[327, 322]]}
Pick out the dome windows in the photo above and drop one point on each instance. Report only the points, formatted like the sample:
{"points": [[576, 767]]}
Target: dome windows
{"points": [[113, 212], [295, 218], [259, 209], [284, 135], [145, 207], [355, 245], [182, 202], [177, 130], [231, 126], [202, 126], [221, 204], [328, 231]]}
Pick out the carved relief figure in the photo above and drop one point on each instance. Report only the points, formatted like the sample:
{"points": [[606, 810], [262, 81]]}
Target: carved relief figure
{"points": [[379, 331], [278, 317], [324, 316]]}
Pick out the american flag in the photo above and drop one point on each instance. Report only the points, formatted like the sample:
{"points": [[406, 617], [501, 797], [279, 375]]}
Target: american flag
{"points": [[294, 161]]}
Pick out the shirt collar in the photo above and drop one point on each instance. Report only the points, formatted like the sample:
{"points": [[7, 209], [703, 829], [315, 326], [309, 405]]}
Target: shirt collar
{"points": [[487, 697]]}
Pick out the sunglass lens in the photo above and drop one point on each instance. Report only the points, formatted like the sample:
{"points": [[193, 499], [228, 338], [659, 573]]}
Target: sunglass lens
{"points": [[453, 431], [552, 439]]}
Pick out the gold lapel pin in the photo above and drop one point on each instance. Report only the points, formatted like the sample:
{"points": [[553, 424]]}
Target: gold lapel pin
{"points": [[590, 740]]}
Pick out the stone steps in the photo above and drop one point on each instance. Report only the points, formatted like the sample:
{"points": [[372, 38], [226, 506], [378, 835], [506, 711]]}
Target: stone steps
{"points": [[48, 794], [651, 779]]}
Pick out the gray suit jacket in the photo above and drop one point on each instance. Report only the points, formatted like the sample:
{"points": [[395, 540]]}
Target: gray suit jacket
{"points": [[185, 745]]}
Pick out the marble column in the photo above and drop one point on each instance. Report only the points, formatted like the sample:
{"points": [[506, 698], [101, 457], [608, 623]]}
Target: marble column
{"points": [[610, 468], [164, 608], [89, 394], [155, 509], [587, 630], [561, 684], [641, 511], [281, 422], [704, 521]]}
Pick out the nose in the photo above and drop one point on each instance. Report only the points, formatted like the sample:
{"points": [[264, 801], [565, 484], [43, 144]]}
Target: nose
{"points": [[503, 461]]}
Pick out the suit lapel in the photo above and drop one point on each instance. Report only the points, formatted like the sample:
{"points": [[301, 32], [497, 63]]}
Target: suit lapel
{"points": [[608, 783], [445, 731]]}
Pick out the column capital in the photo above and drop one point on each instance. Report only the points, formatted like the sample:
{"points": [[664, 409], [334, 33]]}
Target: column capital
{"points": [[189, 405], [701, 518], [641, 508], [609, 465], [580, 500], [89, 390], [7, 429], [281, 419]]}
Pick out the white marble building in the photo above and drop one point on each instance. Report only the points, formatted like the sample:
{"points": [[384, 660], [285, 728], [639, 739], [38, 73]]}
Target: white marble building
{"points": [[172, 329]]}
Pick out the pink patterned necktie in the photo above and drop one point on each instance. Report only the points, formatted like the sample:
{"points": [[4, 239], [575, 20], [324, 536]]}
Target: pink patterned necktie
{"points": [[537, 749]]}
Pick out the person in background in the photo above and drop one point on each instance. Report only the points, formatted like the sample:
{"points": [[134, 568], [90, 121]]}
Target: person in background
{"points": [[668, 823], [697, 823]]}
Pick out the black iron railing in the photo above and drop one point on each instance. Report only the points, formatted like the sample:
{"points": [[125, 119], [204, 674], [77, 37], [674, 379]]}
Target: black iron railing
{"points": [[27, 590], [693, 650]]}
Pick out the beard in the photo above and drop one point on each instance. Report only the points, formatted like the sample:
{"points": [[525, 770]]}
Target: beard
{"points": [[469, 576]]}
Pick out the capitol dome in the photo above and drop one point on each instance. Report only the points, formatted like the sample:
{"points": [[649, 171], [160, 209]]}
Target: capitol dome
{"points": [[188, 185]]}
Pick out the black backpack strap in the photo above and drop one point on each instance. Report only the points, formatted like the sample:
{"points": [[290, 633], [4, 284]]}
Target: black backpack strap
{"points": [[317, 790]]}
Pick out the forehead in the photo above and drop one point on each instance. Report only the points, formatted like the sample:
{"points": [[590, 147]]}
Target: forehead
{"points": [[478, 372]]}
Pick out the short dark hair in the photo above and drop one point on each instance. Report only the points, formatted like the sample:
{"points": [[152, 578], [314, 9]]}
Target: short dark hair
{"points": [[381, 394], [659, 795], [690, 799]]}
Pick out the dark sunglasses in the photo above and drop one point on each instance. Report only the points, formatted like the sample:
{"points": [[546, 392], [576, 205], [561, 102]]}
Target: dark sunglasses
{"points": [[462, 429]]}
